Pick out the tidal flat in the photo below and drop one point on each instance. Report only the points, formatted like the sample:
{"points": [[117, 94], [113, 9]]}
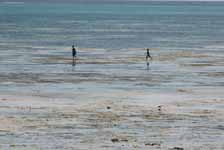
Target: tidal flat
{"points": [[43, 123], [113, 102]]}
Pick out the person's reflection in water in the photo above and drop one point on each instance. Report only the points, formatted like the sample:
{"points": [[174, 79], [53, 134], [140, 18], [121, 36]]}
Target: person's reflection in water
{"points": [[148, 66]]}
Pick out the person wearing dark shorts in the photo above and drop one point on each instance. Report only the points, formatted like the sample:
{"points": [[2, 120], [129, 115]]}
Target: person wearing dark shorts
{"points": [[148, 56], [73, 54]]}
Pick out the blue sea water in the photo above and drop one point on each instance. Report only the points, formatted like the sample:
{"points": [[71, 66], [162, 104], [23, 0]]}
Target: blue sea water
{"points": [[105, 25], [36, 39]]}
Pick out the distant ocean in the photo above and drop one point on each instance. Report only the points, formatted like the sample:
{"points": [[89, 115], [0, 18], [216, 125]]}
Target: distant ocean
{"points": [[36, 31], [113, 25]]}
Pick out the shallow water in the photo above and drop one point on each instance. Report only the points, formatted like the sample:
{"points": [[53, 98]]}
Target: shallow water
{"points": [[185, 39], [46, 103]]}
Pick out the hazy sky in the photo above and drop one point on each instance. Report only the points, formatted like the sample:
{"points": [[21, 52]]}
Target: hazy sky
{"points": [[92, 1], [96, 0]]}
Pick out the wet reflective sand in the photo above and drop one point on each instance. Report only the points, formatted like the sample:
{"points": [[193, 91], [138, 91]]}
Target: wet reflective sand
{"points": [[112, 100]]}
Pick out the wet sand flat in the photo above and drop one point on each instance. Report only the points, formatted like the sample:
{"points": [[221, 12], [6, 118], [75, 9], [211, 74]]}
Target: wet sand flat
{"points": [[113, 102], [43, 123]]}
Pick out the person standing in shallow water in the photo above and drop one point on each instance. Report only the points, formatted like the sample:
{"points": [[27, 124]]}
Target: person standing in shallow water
{"points": [[73, 54], [148, 56]]}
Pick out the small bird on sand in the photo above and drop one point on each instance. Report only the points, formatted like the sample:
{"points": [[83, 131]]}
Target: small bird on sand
{"points": [[159, 107]]}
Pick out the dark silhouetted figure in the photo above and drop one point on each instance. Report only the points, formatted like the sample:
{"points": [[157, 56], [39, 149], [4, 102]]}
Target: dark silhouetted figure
{"points": [[148, 56], [74, 55]]}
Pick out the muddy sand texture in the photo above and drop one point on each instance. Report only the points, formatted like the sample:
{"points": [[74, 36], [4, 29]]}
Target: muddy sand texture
{"points": [[194, 125]]}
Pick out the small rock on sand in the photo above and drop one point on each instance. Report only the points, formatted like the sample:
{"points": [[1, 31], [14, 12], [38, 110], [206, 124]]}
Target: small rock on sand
{"points": [[124, 140], [177, 148], [152, 144], [114, 140]]}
